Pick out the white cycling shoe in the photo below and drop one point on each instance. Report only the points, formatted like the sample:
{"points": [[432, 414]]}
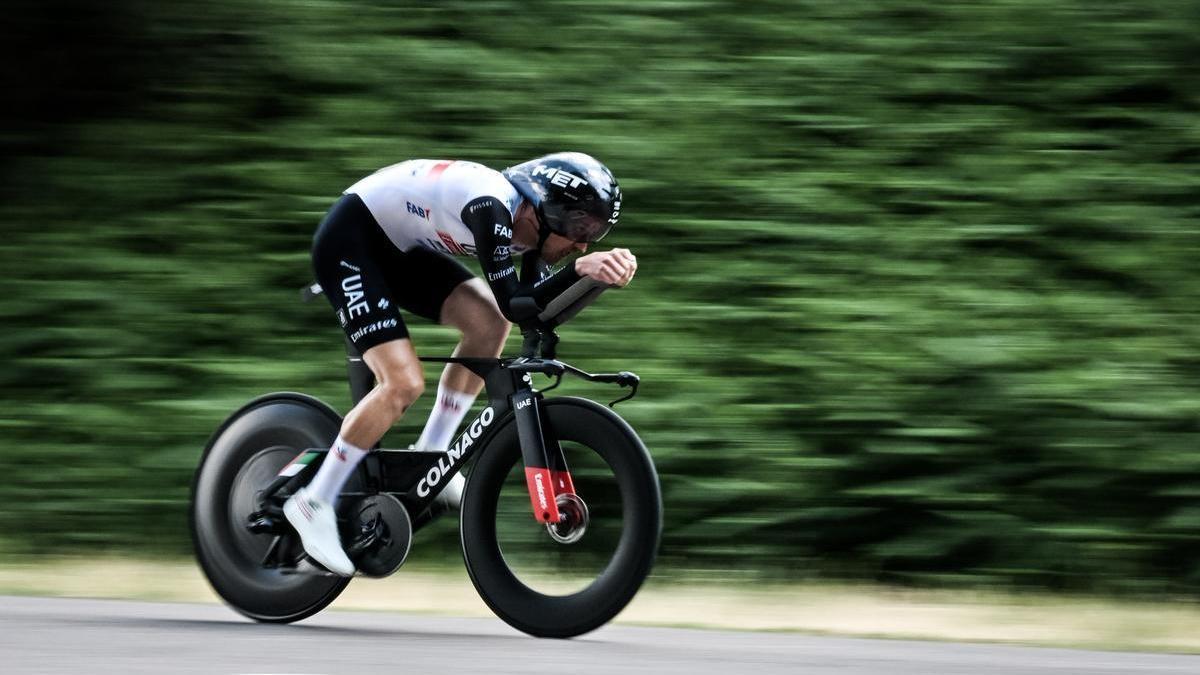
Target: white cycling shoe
{"points": [[316, 524]]}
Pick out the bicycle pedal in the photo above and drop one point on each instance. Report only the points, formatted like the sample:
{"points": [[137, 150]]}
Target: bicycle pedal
{"points": [[306, 567]]}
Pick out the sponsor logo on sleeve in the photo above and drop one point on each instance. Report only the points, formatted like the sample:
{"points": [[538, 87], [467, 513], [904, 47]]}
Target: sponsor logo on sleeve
{"points": [[495, 276], [501, 231], [484, 204]]}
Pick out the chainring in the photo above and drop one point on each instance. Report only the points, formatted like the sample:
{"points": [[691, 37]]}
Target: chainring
{"points": [[382, 534]]}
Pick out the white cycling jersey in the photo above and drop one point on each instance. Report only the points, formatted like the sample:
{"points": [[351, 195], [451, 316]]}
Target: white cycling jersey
{"points": [[419, 203]]}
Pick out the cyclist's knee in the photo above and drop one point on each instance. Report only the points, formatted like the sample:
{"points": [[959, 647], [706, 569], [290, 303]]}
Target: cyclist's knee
{"points": [[399, 374], [493, 326], [402, 387]]}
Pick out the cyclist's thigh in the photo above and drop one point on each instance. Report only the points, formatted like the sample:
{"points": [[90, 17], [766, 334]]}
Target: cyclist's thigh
{"points": [[472, 308], [395, 361], [349, 262], [422, 279]]}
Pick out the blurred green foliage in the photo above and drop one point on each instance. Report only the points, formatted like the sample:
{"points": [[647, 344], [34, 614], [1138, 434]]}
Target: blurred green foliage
{"points": [[918, 290]]}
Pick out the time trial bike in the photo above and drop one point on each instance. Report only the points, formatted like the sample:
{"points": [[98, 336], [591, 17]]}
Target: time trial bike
{"points": [[560, 517]]}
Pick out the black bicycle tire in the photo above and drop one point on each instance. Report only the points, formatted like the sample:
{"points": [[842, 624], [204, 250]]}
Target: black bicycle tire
{"points": [[319, 420], [590, 424]]}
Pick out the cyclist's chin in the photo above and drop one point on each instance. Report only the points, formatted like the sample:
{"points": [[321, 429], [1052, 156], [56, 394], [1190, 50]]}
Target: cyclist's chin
{"points": [[554, 257]]}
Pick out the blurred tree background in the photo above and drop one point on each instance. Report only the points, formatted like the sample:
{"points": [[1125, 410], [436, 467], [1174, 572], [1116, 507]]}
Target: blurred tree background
{"points": [[918, 291]]}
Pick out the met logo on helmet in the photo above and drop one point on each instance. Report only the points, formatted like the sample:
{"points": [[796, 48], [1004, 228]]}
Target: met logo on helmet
{"points": [[558, 176], [616, 212]]}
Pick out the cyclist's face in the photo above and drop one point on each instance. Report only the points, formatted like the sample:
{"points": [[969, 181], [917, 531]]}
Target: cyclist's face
{"points": [[525, 236], [558, 247], [525, 228]]}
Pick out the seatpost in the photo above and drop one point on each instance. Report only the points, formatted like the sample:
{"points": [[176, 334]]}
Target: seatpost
{"points": [[362, 380]]}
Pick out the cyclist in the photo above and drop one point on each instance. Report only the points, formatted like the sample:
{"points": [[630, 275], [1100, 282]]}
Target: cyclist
{"points": [[388, 244]]}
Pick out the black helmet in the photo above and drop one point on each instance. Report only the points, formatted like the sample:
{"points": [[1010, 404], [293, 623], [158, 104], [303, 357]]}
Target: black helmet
{"points": [[572, 194]]}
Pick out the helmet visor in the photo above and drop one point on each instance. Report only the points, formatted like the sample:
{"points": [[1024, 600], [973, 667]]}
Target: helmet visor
{"points": [[583, 227], [584, 223]]}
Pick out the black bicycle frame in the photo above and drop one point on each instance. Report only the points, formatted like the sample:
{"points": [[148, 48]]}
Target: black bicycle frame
{"points": [[416, 477], [510, 389]]}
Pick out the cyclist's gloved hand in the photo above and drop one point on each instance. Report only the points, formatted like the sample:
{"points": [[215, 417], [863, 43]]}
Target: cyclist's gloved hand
{"points": [[615, 267]]}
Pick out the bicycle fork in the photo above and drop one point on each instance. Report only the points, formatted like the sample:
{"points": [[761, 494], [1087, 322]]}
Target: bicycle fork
{"points": [[546, 473]]}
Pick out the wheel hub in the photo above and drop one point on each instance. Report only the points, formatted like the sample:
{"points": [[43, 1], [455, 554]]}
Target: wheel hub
{"points": [[384, 536], [573, 519]]}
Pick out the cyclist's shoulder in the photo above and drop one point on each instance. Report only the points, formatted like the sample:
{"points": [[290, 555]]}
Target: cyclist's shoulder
{"points": [[440, 185], [473, 177], [393, 175], [445, 173], [465, 183]]}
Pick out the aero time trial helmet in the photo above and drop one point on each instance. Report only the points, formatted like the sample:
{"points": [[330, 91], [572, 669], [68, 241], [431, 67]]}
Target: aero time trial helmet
{"points": [[572, 194]]}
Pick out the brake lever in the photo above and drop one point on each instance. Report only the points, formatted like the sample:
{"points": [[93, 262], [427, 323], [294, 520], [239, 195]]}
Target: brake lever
{"points": [[626, 379], [557, 381]]}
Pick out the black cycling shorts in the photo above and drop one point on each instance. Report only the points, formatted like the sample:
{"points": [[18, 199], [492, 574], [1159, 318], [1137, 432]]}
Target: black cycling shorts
{"points": [[367, 279]]}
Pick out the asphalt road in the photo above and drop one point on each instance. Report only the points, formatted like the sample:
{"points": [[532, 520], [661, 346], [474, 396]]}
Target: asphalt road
{"points": [[41, 635]]}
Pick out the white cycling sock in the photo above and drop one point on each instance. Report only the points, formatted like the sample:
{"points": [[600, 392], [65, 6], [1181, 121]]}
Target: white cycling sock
{"points": [[334, 471], [447, 414]]}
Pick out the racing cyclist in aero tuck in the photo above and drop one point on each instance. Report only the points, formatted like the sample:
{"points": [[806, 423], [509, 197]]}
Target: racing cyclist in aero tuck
{"points": [[388, 244]]}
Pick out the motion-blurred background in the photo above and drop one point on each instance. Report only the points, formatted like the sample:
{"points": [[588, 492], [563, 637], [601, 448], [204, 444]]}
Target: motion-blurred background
{"points": [[918, 287]]}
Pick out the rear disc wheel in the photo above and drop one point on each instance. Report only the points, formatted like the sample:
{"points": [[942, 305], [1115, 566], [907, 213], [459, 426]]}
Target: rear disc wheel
{"points": [[245, 456]]}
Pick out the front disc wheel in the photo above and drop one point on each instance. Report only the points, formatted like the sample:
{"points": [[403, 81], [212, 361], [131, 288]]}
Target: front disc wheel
{"points": [[575, 575]]}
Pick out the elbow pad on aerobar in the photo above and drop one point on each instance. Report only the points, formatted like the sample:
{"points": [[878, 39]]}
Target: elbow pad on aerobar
{"points": [[522, 310]]}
